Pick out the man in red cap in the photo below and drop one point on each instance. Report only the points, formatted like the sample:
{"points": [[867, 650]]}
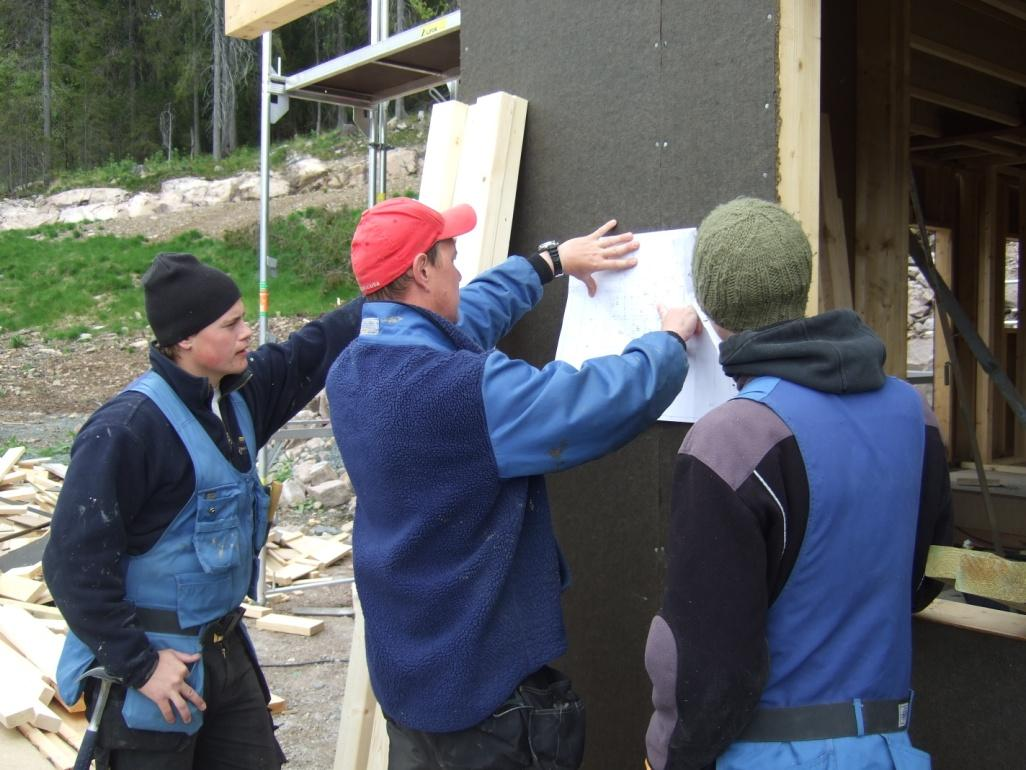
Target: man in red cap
{"points": [[155, 534], [447, 441]]}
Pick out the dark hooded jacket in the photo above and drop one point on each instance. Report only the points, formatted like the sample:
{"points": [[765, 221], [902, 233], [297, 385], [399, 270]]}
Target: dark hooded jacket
{"points": [[739, 468]]}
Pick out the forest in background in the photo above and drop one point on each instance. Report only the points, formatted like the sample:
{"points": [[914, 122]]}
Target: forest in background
{"points": [[88, 82]]}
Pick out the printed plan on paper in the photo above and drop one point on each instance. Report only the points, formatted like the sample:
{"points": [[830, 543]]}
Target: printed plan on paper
{"points": [[624, 307]]}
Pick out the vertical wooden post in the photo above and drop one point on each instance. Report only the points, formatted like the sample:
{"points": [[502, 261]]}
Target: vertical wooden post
{"points": [[798, 55], [881, 174], [990, 277], [942, 378], [1020, 331]]}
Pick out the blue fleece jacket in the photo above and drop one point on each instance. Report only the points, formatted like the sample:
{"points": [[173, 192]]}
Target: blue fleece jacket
{"points": [[445, 440]]}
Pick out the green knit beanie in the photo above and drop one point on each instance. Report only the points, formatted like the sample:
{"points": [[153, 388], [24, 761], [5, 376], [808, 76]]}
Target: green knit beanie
{"points": [[752, 265]]}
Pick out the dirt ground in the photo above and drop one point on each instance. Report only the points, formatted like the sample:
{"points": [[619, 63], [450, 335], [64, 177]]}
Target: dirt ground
{"points": [[48, 389]]}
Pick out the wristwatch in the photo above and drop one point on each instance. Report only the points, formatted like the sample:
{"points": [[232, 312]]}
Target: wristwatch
{"points": [[552, 247]]}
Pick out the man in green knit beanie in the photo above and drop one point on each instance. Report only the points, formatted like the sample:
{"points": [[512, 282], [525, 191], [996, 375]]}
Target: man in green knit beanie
{"points": [[802, 512]]}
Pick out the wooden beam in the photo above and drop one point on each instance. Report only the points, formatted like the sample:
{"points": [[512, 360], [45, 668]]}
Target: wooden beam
{"points": [[950, 85], [963, 35], [943, 403], [798, 142], [990, 277], [881, 175], [487, 179], [1007, 624], [359, 707], [1014, 8], [979, 573], [290, 624], [835, 274], [249, 19], [1020, 333], [442, 154]]}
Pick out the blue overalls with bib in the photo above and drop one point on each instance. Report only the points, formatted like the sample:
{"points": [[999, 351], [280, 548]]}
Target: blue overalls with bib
{"points": [[200, 569]]}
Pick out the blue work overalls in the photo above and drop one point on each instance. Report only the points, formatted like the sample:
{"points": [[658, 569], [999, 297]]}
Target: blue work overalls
{"points": [[201, 567]]}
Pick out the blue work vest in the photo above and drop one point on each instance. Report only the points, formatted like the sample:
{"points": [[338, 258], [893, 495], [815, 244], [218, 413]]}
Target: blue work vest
{"points": [[840, 630], [203, 565]]}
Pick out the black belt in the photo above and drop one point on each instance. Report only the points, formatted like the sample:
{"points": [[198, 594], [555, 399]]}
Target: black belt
{"points": [[166, 622], [829, 720]]}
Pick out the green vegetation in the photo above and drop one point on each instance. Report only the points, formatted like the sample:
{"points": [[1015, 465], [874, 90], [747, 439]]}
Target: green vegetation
{"points": [[63, 285]]}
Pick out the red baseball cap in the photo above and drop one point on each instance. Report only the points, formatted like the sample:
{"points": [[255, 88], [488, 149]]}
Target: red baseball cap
{"points": [[393, 232]]}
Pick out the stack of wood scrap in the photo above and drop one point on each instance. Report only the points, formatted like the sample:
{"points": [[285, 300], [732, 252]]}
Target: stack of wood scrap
{"points": [[29, 652], [293, 556]]}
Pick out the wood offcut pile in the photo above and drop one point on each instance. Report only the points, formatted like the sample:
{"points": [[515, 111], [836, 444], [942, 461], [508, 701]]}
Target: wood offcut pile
{"points": [[32, 628]]}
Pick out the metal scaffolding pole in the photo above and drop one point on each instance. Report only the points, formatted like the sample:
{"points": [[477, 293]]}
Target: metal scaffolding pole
{"points": [[265, 198], [376, 148]]}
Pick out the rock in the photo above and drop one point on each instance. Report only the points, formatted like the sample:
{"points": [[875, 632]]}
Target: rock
{"points": [[144, 204], [249, 187], [292, 493], [313, 473], [221, 191], [920, 353], [90, 212], [332, 494], [14, 216], [304, 173], [87, 196]]}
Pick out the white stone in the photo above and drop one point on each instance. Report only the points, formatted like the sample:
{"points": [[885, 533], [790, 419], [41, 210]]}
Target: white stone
{"points": [[292, 492], [315, 473], [249, 187], [87, 196], [332, 494], [304, 172], [220, 191], [144, 204]]}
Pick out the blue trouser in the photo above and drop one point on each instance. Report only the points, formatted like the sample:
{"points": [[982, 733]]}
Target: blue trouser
{"points": [[887, 751]]}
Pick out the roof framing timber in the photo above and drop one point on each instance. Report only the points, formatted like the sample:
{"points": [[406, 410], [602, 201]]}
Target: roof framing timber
{"points": [[249, 19]]}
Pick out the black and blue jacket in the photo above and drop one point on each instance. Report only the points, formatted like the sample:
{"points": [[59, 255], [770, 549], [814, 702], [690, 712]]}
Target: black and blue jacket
{"points": [[130, 475], [446, 441]]}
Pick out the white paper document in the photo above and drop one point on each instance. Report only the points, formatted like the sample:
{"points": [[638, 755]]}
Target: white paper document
{"points": [[624, 308]]}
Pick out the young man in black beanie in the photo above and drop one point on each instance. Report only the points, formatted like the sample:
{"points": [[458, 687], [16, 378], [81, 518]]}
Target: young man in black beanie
{"points": [[802, 513], [161, 518]]}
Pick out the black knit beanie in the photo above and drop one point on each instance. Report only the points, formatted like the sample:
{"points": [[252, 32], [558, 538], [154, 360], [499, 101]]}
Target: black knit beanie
{"points": [[183, 296]]}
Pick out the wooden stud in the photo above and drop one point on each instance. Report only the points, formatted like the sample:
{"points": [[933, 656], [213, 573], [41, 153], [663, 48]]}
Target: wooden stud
{"points": [[442, 154], [248, 19], [990, 272], [1019, 375], [324, 552], [882, 174], [359, 706], [487, 178], [1010, 625], [835, 276], [50, 746], [980, 573], [943, 404], [290, 624], [798, 58], [32, 639], [10, 459], [22, 589]]}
